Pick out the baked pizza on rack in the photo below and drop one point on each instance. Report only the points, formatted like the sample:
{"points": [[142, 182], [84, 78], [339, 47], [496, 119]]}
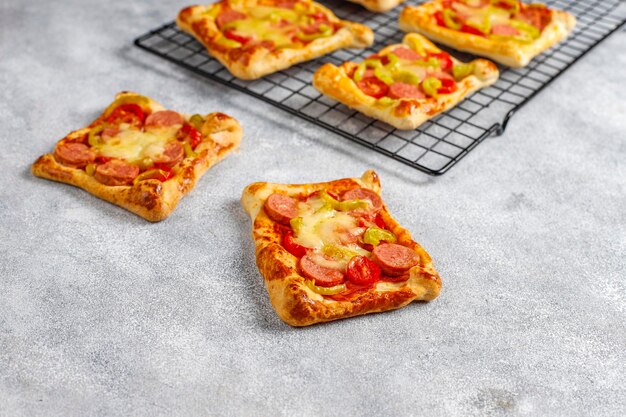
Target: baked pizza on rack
{"points": [[253, 38], [378, 5], [508, 31], [405, 84], [140, 156], [332, 250]]}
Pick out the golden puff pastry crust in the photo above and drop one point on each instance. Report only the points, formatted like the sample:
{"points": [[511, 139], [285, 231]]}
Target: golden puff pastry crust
{"points": [[404, 113], [379, 6], [507, 52], [151, 199], [253, 61], [294, 302]]}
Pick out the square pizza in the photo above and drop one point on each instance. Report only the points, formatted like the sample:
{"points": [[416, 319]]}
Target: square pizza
{"points": [[253, 38], [405, 84], [508, 31], [332, 250], [140, 156]]}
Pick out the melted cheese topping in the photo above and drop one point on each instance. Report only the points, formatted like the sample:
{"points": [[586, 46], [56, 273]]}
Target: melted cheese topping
{"points": [[321, 225], [135, 145]]}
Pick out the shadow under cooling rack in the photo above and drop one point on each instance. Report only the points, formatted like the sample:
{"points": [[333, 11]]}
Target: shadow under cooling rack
{"points": [[441, 142]]}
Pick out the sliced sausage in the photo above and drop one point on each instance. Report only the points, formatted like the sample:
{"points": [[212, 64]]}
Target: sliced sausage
{"points": [[228, 16], [504, 30], [323, 276], [281, 208], [74, 154], [394, 259], [404, 90], [364, 194], [406, 53], [116, 172], [164, 118], [174, 153]]}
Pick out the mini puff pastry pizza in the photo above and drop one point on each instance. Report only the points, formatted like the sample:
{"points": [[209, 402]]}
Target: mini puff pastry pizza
{"points": [[405, 84], [508, 31], [140, 156], [253, 38], [332, 250], [378, 5]]}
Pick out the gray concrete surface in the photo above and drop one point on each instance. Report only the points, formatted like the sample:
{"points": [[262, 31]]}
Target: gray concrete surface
{"points": [[103, 314]]}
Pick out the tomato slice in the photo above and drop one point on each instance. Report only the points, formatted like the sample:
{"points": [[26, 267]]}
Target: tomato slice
{"points": [[373, 87], [169, 173], [446, 63], [439, 19], [189, 134], [234, 36], [447, 86], [130, 113], [292, 247], [362, 271], [472, 30]]}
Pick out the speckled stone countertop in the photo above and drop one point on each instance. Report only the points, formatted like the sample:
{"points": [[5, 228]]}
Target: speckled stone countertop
{"points": [[102, 313]]}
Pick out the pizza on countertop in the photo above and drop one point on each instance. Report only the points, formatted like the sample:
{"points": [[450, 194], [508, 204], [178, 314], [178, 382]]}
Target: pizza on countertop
{"points": [[141, 156], [332, 250]]}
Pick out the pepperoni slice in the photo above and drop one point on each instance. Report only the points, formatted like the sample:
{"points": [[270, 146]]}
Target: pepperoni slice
{"points": [[281, 208], [323, 276], [364, 194], [116, 172], [74, 154], [406, 53], [404, 90], [504, 30], [394, 259], [228, 16], [164, 118], [174, 153]]}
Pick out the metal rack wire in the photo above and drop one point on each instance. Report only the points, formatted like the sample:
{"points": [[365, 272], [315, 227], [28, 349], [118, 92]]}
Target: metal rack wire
{"points": [[441, 142]]}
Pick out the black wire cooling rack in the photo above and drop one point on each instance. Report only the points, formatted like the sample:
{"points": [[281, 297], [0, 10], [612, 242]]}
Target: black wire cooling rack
{"points": [[441, 142]]}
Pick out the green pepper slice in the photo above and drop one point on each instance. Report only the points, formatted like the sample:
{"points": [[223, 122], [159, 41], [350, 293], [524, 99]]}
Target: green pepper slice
{"points": [[325, 290], [431, 85], [384, 75], [360, 72], [461, 71], [374, 235], [348, 205], [189, 152], [526, 29], [408, 77], [386, 101], [90, 169], [449, 16], [94, 138], [338, 253], [196, 121], [296, 224]]}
